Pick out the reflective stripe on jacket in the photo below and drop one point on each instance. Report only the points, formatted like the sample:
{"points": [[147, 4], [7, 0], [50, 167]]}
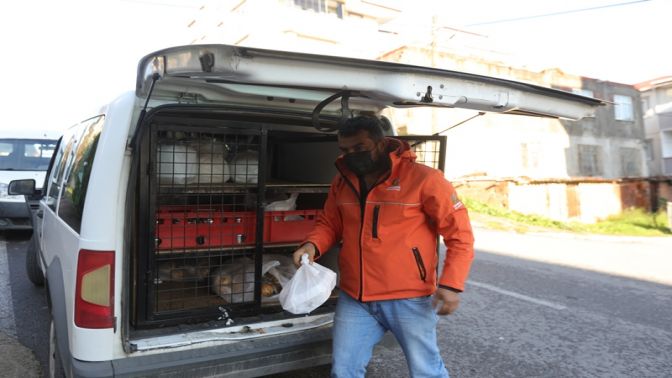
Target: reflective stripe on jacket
{"points": [[389, 245]]}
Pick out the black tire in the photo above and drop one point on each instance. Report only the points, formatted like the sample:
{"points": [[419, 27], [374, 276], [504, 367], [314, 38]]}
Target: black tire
{"points": [[33, 269]]}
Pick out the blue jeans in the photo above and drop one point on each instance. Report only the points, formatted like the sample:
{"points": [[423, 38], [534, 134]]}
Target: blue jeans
{"points": [[358, 327]]}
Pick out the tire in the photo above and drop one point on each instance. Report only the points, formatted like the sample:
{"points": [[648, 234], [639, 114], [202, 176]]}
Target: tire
{"points": [[54, 363], [33, 268]]}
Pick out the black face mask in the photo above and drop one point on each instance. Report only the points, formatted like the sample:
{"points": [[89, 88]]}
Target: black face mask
{"points": [[361, 163]]}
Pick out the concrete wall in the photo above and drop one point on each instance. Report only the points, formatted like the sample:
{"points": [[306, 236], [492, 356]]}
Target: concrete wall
{"points": [[549, 200], [585, 202], [491, 192], [598, 201], [570, 200]]}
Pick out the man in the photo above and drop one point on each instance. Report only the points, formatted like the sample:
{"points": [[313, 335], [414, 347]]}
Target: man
{"points": [[388, 210]]}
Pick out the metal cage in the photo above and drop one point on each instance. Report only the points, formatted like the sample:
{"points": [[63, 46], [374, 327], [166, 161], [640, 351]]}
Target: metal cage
{"points": [[219, 205]]}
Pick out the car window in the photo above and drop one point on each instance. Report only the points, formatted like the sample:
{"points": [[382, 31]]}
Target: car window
{"points": [[6, 148], [78, 173], [25, 154], [6, 155]]}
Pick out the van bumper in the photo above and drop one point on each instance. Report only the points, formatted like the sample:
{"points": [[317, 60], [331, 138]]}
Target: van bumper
{"points": [[15, 216], [252, 358]]}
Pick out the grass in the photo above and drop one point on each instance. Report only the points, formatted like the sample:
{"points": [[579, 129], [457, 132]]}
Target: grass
{"points": [[635, 222]]}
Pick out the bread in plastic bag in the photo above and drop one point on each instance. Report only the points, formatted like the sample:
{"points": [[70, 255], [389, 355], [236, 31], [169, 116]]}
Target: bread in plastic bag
{"points": [[310, 287], [235, 282]]}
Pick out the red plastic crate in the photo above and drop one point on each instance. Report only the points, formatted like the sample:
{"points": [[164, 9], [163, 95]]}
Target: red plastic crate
{"points": [[182, 227], [288, 226]]}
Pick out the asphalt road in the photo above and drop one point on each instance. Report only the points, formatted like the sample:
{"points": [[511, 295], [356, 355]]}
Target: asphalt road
{"points": [[536, 306]]}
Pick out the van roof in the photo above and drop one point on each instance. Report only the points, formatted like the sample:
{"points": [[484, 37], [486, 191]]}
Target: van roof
{"points": [[32, 134]]}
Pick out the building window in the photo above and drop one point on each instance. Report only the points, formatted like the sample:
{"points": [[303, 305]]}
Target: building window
{"points": [[623, 108], [583, 92], [319, 6], [648, 149], [666, 143], [631, 162], [530, 155], [590, 160], [645, 104]]}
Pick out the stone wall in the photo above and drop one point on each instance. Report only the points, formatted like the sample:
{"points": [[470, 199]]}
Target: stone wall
{"points": [[580, 200]]}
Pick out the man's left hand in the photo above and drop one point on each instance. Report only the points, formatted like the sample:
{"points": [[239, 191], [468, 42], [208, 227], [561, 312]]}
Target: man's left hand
{"points": [[445, 301]]}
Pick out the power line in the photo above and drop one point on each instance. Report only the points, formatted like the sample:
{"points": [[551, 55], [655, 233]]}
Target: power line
{"points": [[162, 4], [556, 13]]}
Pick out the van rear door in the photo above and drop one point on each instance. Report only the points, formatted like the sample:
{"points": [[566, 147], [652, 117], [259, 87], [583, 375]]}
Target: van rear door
{"points": [[221, 73]]}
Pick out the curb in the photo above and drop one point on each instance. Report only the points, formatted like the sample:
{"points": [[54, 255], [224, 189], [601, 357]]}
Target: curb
{"points": [[576, 235]]}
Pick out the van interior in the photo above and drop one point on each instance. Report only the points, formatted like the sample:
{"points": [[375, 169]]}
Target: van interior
{"points": [[221, 200]]}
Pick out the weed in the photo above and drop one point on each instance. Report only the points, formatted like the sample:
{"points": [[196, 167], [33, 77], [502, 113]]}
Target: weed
{"points": [[633, 222]]}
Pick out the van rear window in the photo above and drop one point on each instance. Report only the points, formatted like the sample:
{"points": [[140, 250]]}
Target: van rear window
{"points": [[76, 182]]}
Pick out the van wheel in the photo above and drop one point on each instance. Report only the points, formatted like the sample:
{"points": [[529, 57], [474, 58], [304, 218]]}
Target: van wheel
{"points": [[33, 269], [55, 367]]}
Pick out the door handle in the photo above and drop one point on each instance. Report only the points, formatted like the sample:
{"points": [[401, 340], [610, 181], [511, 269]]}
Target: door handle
{"points": [[40, 213]]}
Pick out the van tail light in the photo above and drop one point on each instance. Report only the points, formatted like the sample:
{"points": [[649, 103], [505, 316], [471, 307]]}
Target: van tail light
{"points": [[94, 293]]}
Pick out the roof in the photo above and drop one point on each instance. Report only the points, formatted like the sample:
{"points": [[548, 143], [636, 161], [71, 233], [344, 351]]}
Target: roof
{"points": [[32, 134], [654, 83]]}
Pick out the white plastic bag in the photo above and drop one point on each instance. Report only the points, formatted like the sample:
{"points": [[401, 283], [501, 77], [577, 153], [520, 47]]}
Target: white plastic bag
{"points": [[308, 289]]}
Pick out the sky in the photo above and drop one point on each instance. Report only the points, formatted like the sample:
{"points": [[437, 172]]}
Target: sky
{"points": [[64, 59], [624, 41]]}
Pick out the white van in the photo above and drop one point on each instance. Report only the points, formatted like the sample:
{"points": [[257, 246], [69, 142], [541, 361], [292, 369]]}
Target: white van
{"points": [[23, 155], [158, 241]]}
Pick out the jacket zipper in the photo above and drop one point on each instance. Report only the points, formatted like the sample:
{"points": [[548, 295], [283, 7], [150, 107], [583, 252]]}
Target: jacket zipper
{"points": [[362, 206], [374, 227], [420, 263]]}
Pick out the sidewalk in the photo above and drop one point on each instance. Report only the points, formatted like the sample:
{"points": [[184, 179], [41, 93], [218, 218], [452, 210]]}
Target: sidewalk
{"points": [[17, 360], [642, 258]]}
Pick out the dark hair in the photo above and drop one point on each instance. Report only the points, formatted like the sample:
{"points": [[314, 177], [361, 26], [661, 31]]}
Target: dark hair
{"points": [[372, 125]]}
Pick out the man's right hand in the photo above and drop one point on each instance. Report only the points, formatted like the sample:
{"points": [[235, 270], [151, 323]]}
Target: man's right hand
{"points": [[306, 249]]}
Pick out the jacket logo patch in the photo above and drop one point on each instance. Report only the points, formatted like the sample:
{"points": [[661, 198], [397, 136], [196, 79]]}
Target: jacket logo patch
{"points": [[395, 185], [456, 201]]}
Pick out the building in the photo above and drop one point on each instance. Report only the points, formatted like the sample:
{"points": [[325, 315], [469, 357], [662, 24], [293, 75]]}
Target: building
{"points": [[584, 170], [328, 27], [657, 107]]}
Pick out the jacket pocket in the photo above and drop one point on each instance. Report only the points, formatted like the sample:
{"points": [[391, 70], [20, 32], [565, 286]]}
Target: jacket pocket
{"points": [[374, 227], [420, 263]]}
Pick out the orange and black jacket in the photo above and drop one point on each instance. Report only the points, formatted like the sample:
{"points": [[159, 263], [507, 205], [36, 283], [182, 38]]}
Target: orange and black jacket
{"points": [[389, 237]]}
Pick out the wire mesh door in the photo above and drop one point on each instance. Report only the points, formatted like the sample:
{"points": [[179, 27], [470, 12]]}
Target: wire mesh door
{"points": [[205, 191], [429, 149]]}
